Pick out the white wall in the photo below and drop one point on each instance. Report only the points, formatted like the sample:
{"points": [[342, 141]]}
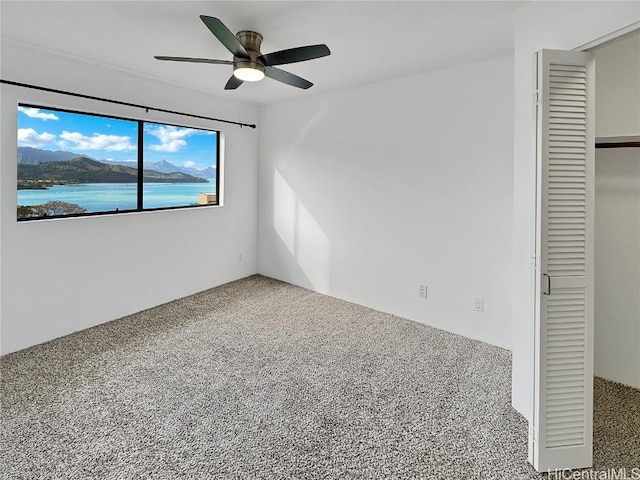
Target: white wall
{"points": [[617, 265], [538, 25], [365, 193], [60, 276], [618, 88]]}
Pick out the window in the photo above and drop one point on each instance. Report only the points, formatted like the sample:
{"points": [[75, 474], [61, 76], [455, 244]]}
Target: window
{"points": [[72, 164]]}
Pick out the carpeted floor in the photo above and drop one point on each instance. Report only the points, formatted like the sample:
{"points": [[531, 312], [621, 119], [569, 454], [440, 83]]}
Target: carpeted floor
{"points": [[261, 379]]}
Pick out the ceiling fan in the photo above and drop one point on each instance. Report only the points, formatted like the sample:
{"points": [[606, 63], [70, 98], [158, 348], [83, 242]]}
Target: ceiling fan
{"points": [[249, 64]]}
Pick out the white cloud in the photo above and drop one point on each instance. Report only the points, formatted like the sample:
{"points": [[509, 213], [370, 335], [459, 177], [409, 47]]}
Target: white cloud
{"points": [[170, 146], [172, 139], [28, 137], [36, 113], [189, 164], [99, 141]]}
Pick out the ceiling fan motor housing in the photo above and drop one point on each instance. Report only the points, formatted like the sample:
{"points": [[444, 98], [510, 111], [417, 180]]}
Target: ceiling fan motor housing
{"points": [[251, 41]]}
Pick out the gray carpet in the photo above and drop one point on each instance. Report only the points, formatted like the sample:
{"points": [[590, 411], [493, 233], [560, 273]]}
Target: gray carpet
{"points": [[260, 379], [616, 420]]}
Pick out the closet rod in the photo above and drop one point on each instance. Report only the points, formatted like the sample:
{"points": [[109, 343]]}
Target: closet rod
{"points": [[618, 145], [118, 102]]}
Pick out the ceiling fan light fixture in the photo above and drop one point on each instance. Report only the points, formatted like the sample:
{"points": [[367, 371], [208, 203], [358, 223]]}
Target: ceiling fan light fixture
{"points": [[248, 74], [248, 70]]}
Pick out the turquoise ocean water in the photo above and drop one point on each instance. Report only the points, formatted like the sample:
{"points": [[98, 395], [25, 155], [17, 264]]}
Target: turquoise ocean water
{"points": [[103, 197]]}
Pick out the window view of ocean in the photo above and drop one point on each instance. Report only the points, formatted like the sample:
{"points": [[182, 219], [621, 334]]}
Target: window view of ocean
{"points": [[72, 163], [104, 197]]}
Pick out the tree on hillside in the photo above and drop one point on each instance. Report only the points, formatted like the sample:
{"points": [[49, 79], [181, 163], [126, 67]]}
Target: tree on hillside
{"points": [[53, 208], [25, 211]]}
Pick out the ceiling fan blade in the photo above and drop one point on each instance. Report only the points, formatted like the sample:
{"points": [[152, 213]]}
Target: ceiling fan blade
{"points": [[293, 55], [226, 37], [233, 83], [194, 60], [286, 77]]}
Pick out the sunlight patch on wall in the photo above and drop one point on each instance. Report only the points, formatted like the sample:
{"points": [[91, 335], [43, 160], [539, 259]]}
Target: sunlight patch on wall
{"points": [[285, 211], [301, 234]]}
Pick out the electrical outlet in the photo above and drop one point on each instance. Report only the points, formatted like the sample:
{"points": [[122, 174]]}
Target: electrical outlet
{"points": [[478, 304], [423, 291], [239, 256]]}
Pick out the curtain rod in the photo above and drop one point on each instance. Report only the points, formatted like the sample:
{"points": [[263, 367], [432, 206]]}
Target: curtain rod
{"points": [[617, 144], [118, 102]]}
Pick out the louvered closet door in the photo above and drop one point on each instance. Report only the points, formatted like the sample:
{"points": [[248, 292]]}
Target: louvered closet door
{"points": [[562, 426]]}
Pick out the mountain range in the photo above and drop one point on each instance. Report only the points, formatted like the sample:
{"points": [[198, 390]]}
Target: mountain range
{"points": [[87, 170], [36, 156], [168, 167]]}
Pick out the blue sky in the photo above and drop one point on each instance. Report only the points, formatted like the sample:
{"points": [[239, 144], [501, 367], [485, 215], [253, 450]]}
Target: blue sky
{"points": [[186, 147], [113, 139]]}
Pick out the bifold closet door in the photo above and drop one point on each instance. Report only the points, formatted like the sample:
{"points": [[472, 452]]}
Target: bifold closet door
{"points": [[561, 431]]}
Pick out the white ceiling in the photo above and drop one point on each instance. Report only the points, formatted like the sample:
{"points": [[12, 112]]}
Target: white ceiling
{"points": [[369, 40]]}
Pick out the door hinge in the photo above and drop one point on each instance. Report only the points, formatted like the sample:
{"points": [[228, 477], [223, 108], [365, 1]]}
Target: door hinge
{"points": [[536, 98]]}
